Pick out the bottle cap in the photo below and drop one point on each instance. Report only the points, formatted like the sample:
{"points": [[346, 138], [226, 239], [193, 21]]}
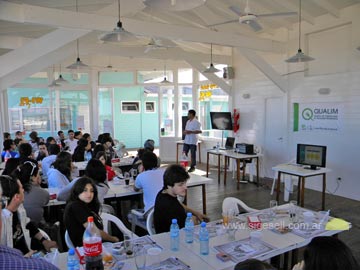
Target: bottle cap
{"points": [[189, 214], [90, 219], [72, 251], [174, 221], [203, 224]]}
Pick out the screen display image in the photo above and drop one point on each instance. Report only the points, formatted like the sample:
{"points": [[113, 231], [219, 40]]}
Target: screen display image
{"points": [[221, 120], [312, 155]]}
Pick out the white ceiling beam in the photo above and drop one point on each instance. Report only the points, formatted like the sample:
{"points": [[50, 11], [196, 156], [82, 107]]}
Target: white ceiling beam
{"points": [[37, 48], [39, 64], [294, 5], [12, 42], [265, 68], [60, 18], [330, 8]]}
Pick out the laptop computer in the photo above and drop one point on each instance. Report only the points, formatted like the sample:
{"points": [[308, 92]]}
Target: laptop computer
{"points": [[229, 144]]}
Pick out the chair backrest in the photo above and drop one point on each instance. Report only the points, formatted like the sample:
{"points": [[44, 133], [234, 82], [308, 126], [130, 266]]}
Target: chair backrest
{"points": [[233, 203], [150, 222], [68, 240], [110, 218]]}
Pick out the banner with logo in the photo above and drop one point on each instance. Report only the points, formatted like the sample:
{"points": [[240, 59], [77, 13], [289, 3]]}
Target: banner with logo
{"points": [[318, 116]]}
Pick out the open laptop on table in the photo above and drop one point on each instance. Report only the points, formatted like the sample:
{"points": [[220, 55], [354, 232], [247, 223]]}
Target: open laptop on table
{"points": [[229, 144]]}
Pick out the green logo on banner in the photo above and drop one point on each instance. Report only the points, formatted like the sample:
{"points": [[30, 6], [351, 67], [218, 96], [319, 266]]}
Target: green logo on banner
{"points": [[307, 114]]}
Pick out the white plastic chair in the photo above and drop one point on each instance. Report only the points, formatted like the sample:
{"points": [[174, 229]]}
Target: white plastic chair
{"points": [[110, 218], [234, 203], [68, 241], [150, 222], [138, 218], [288, 181]]}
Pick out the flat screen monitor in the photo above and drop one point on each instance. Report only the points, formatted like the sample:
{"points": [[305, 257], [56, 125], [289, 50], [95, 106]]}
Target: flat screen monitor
{"points": [[221, 120], [312, 155]]}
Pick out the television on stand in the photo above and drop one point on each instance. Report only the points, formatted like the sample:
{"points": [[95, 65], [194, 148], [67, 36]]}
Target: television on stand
{"points": [[313, 156], [221, 121]]}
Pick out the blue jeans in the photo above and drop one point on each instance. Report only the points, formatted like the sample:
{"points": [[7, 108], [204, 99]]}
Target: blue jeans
{"points": [[192, 148]]}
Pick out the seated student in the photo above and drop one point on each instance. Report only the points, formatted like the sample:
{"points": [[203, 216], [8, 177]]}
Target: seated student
{"points": [[6, 136], [149, 145], [25, 153], [83, 151], [107, 142], [35, 197], [11, 258], [111, 172], [253, 264], [60, 139], [10, 166], [83, 202], [88, 137], [71, 142], [10, 146], [34, 141], [167, 205], [54, 149], [43, 151], [14, 220], [59, 174], [97, 172], [327, 253], [150, 181], [137, 162]]}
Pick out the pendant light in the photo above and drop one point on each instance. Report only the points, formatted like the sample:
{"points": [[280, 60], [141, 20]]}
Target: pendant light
{"points": [[78, 65], [54, 84], [61, 80], [174, 5], [300, 56], [165, 81], [211, 68], [118, 34]]}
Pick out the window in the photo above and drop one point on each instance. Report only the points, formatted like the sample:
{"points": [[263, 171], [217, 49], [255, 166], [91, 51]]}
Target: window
{"points": [[130, 106], [150, 106], [105, 110]]}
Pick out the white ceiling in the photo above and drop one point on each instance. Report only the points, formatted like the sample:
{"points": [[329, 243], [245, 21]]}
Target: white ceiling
{"points": [[20, 25]]}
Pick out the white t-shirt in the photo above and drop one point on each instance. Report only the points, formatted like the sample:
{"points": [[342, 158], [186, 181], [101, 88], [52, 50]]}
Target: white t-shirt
{"points": [[192, 125], [151, 182], [72, 144]]}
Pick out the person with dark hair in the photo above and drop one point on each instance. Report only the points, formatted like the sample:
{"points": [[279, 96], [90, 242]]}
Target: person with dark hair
{"points": [[11, 258], [109, 151], [137, 162], [111, 173], [35, 197], [327, 253], [82, 203], [253, 264], [34, 141], [78, 135], [167, 206], [88, 137], [60, 139], [98, 148], [97, 172], [19, 138], [82, 150], [59, 174], [150, 181], [192, 129], [10, 166], [71, 142], [149, 145], [9, 146], [53, 150], [25, 153], [50, 140], [42, 152], [6, 136], [14, 218]]}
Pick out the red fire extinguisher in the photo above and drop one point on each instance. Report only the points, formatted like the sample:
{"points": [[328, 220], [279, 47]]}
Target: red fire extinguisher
{"points": [[236, 120]]}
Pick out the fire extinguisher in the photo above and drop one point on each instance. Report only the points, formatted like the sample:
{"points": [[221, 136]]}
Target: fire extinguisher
{"points": [[236, 120]]}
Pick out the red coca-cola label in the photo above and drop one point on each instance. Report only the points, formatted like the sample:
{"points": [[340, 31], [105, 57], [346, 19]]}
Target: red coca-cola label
{"points": [[92, 249], [184, 163]]}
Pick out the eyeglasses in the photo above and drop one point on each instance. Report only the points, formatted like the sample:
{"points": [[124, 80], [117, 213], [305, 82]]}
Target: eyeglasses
{"points": [[33, 165]]}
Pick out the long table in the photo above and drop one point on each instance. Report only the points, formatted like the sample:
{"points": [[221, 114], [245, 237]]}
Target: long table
{"points": [[190, 253], [227, 154]]}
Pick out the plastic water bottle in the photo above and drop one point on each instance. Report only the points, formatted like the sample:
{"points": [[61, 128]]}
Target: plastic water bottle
{"points": [[189, 229], [92, 246], [174, 235], [7, 156], [72, 261], [204, 239], [184, 161]]}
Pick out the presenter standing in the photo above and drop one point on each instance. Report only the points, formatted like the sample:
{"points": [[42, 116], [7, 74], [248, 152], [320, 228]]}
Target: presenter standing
{"points": [[192, 129]]}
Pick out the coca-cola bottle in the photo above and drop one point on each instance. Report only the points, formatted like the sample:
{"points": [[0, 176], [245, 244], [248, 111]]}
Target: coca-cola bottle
{"points": [[92, 246], [184, 161]]}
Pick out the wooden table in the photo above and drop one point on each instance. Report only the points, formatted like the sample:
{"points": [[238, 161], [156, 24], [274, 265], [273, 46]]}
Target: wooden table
{"points": [[219, 154], [181, 143], [302, 173]]}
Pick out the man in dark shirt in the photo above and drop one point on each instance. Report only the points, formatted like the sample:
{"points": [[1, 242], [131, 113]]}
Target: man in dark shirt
{"points": [[167, 205]]}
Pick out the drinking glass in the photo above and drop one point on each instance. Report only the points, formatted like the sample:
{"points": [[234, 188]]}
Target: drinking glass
{"points": [[128, 245], [293, 211], [273, 207], [140, 257]]}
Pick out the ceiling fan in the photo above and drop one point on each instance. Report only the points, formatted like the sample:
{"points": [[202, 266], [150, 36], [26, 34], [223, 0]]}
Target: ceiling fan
{"points": [[251, 19], [156, 44]]}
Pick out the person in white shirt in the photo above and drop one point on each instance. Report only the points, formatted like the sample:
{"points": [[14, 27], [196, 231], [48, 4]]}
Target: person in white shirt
{"points": [[71, 142], [192, 129]]}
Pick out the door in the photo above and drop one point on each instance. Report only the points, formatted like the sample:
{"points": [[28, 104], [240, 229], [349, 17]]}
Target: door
{"points": [[275, 130]]}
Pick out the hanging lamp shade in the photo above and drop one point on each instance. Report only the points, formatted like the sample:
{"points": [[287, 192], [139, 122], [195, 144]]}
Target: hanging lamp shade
{"points": [[54, 84], [299, 56], [61, 80], [174, 5], [211, 68], [118, 34], [165, 80]]}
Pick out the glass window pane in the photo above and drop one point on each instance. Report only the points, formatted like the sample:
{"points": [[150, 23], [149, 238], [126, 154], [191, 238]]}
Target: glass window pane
{"points": [[74, 78], [154, 76], [185, 75], [110, 77], [105, 110], [39, 77]]}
